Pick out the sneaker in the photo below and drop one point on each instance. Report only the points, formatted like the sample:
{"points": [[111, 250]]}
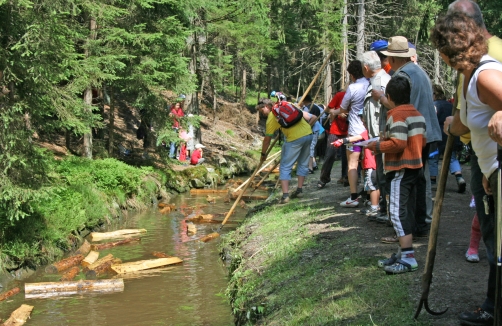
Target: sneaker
{"points": [[382, 218], [297, 193], [373, 212], [461, 185], [478, 317], [284, 200], [400, 267], [389, 261], [364, 211], [473, 258], [350, 203]]}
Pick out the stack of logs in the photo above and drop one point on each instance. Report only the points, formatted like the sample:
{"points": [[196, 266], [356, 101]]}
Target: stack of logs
{"points": [[86, 259]]}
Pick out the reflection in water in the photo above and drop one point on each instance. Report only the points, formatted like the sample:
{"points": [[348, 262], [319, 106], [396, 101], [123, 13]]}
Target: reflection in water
{"points": [[187, 294]]}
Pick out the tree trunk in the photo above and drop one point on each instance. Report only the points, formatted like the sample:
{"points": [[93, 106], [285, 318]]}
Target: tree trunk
{"points": [[328, 88], [88, 94], [360, 29], [343, 68], [111, 124], [243, 87]]}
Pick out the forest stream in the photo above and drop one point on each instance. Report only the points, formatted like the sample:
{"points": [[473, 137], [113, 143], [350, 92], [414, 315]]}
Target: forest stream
{"points": [[191, 293]]}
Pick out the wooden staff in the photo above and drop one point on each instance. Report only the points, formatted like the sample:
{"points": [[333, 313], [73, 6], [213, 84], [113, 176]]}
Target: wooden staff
{"points": [[261, 169], [266, 175], [436, 215]]}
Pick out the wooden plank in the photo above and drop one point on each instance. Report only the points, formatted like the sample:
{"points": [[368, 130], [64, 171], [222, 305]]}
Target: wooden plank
{"points": [[208, 191], [210, 236], [145, 273], [91, 258], [97, 236], [100, 261], [113, 244], [80, 286], [19, 316], [9, 293], [64, 264], [145, 264], [84, 248]]}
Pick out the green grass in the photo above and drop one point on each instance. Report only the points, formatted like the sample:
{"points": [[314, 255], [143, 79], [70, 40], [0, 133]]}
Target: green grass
{"points": [[291, 277]]}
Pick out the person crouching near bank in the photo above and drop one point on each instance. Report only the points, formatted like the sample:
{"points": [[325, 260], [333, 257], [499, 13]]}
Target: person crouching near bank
{"points": [[402, 144], [296, 148]]}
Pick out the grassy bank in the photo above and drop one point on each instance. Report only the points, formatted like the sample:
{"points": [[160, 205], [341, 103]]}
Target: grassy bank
{"points": [[299, 264], [79, 194]]}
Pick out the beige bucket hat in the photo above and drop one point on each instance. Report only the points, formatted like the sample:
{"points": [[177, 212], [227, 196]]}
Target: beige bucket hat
{"points": [[399, 47]]}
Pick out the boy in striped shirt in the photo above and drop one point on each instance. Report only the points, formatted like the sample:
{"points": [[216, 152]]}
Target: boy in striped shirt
{"points": [[402, 143]]}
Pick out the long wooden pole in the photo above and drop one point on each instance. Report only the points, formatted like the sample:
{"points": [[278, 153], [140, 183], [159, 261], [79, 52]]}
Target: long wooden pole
{"points": [[267, 174], [261, 169], [316, 76]]}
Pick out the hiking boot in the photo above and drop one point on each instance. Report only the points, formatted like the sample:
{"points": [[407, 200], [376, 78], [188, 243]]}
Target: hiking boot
{"points": [[389, 261], [350, 203], [400, 267], [477, 317], [298, 193], [284, 200], [473, 258], [461, 185]]}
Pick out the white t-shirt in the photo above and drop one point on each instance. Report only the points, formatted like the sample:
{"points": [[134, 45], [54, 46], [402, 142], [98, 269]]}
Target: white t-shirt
{"points": [[476, 115], [353, 101]]}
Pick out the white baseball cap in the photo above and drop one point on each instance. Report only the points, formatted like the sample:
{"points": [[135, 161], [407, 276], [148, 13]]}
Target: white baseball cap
{"points": [[200, 146]]}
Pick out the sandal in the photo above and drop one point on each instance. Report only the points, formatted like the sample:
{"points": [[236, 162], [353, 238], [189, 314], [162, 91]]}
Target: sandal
{"points": [[392, 239], [321, 184], [400, 267]]}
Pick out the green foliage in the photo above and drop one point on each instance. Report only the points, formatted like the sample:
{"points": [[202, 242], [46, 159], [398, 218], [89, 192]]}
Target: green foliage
{"points": [[230, 132]]}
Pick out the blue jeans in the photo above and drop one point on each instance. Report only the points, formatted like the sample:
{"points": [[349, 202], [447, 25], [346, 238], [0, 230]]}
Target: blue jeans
{"points": [[295, 151], [454, 164]]}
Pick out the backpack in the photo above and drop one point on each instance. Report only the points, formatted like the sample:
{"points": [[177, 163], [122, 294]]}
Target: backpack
{"points": [[286, 114]]}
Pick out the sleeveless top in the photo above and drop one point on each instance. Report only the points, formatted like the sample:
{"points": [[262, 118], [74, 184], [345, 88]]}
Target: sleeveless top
{"points": [[476, 115]]}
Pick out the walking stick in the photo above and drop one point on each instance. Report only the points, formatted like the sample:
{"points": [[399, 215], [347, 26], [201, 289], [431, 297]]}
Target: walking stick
{"points": [[436, 215], [267, 174], [498, 234], [230, 212]]}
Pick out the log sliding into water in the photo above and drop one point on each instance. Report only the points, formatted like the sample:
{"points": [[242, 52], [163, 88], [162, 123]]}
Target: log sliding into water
{"points": [[19, 316], [9, 293], [97, 236], [33, 290], [64, 264], [144, 264], [100, 267], [113, 244]]}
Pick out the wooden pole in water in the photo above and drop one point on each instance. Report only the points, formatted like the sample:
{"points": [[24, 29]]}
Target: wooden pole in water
{"points": [[70, 274], [113, 244], [144, 264], [266, 175], [9, 293], [256, 172], [73, 286], [96, 236], [19, 316]]}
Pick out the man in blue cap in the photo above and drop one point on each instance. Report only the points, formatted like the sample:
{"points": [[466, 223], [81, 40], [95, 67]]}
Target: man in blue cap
{"points": [[378, 46]]}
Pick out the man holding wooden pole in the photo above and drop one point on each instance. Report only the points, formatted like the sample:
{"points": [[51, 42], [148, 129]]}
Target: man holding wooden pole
{"points": [[296, 148]]}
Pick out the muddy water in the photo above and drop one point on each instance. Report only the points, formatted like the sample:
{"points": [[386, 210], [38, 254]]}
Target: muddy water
{"points": [[187, 294]]}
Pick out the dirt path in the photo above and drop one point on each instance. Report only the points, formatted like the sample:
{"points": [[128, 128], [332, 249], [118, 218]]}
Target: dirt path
{"points": [[457, 284]]}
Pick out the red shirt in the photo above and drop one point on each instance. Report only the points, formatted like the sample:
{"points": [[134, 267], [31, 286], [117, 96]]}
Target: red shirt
{"points": [[368, 161], [338, 121], [196, 155], [177, 114]]}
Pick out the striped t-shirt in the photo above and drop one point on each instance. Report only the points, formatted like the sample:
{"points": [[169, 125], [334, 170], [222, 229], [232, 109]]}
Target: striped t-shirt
{"points": [[404, 139]]}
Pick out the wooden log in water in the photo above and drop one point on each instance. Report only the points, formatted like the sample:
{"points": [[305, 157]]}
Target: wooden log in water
{"points": [[208, 191], [113, 244], [191, 229], [84, 248], [70, 274], [100, 270], [90, 258], [64, 264], [162, 205], [73, 286], [159, 254], [167, 209], [144, 273], [9, 293], [210, 236], [144, 264], [19, 316], [96, 236], [100, 261], [200, 217]]}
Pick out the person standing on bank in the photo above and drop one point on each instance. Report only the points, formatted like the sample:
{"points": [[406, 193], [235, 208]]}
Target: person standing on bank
{"points": [[296, 148], [462, 44], [400, 54], [353, 104]]}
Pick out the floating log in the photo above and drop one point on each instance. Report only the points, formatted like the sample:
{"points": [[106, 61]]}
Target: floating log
{"points": [[73, 287], [208, 191], [90, 259], [201, 217], [96, 236], [100, 261], [167, 209], [64, 264], [210, 236], [159, 254], [9, 293], [144, 273], [145, 264], [19, 316], [191, 229], [84, 248], [211, 199], [162, 205], [70, 274], [113, 244], [102, 269]]}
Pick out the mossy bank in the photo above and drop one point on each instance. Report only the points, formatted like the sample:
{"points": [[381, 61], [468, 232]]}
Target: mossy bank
{"points": [[311, 263]]}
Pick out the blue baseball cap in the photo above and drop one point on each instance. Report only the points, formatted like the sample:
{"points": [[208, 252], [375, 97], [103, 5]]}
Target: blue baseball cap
{"points": [[411, 45], [379, 45]]}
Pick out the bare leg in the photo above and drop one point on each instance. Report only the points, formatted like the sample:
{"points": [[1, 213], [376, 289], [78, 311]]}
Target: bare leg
{"points": [[353, 161]]}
